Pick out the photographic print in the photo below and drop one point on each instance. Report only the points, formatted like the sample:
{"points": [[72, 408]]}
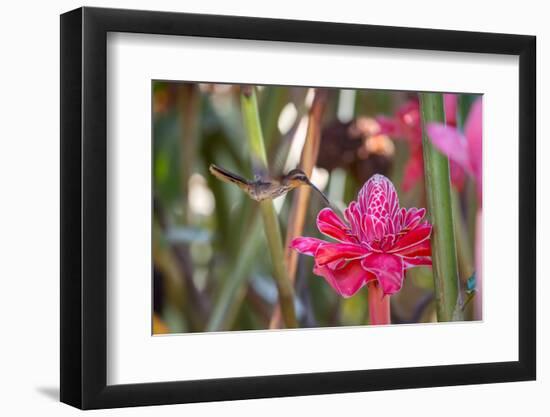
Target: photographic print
{"points": [[213, 216], [279, 207]]}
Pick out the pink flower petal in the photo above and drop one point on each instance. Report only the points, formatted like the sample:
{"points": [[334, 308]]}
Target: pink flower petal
{"points": [[330, 252], [417, 261], [457, 175], [389, 271], [379, 229], [378, 197], [423, 248], [409, 119], [449, 141], [413, 217], [306, 245], [367, 227], [414, 170], [413, 237], [332, 226], [353, 216], [347, 280], [473, 130], [450, 102], [388, 126]]}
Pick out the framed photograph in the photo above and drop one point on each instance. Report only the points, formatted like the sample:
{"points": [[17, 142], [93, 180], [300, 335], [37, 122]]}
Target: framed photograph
{"points": [[258, 208]]}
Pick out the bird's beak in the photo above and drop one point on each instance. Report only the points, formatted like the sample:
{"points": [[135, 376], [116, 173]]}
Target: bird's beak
{"points": [[308, 182]]}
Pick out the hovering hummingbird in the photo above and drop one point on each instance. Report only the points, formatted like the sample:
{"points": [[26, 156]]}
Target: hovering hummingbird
{"points": [[266, 188]]}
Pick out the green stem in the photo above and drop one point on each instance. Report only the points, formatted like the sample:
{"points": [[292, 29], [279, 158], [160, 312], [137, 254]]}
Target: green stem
{"points": [[272, 101], [463, 247], [439, 202], [253, 128], [463, 105], [471, 208], [478, 304]]}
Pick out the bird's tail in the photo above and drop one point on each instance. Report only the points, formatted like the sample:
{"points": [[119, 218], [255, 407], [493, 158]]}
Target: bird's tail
{"points": [[226, 176]]}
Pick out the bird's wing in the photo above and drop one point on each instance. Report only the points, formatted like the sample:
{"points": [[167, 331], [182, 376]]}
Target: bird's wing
{"points": [[259, 169], [227, 176]]}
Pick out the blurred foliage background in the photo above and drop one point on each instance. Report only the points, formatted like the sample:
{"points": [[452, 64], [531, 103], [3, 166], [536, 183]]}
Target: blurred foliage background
{"points": [[212, 269]]}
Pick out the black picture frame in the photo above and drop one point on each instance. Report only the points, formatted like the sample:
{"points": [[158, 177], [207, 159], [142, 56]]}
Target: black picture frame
{"points": [[84, 207]]}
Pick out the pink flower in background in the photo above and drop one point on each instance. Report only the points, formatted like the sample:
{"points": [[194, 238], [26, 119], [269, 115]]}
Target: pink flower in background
{"points": [[406, 124], [450, 103], [378, 241], [464, 149]]}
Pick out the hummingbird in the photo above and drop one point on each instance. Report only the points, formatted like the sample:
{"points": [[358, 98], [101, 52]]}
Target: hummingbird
{"points": [[266, 188]]}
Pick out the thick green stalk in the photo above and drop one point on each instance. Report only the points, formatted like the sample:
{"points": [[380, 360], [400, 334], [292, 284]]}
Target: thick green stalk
{"points": [[463, 246], [253, 128], [438, 195], [272, 102]]}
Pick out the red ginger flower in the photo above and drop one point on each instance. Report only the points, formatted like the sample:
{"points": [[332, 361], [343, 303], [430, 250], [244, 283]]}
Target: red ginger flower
{"points": [[378, 241], [406, 124]]}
